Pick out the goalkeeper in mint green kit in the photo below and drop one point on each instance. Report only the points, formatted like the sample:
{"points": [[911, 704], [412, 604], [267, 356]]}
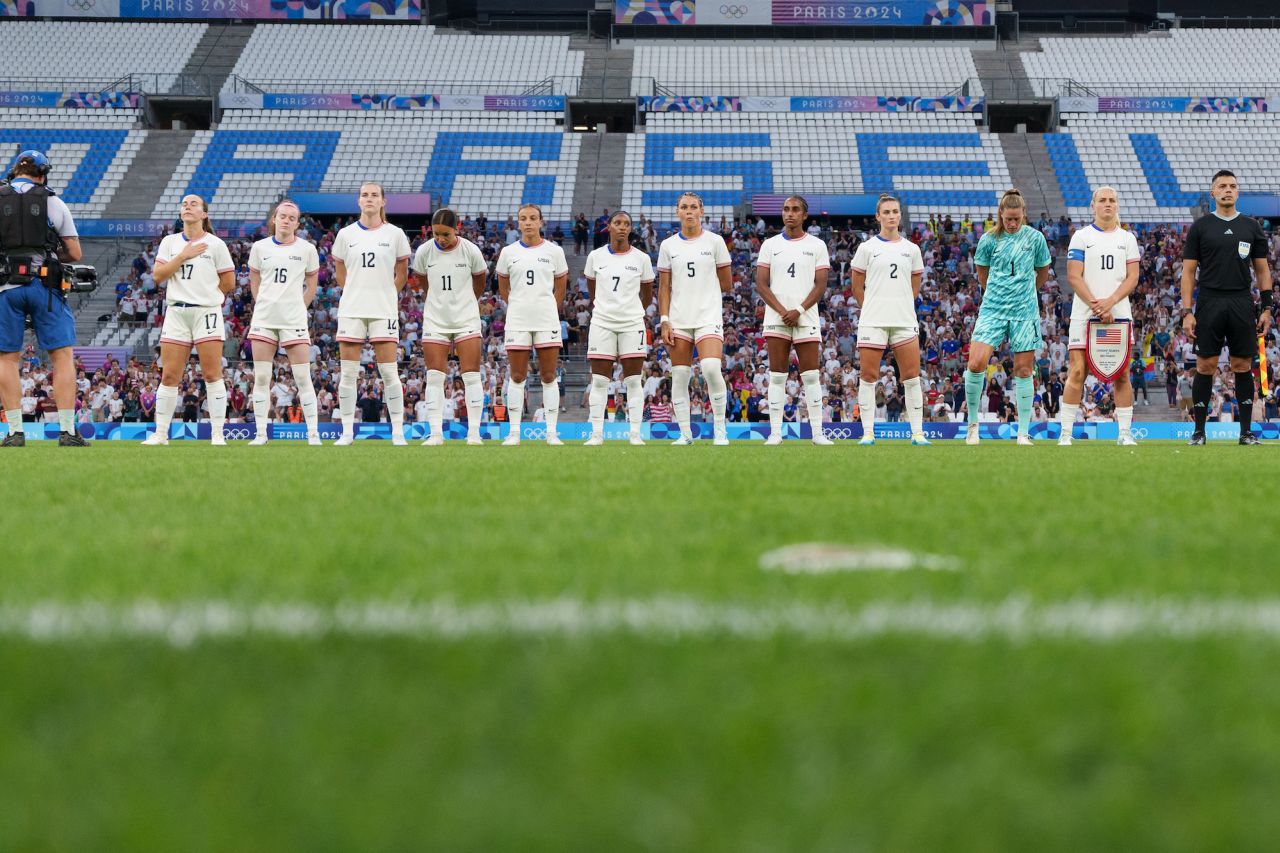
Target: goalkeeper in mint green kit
{"points": [[1013, 264]]}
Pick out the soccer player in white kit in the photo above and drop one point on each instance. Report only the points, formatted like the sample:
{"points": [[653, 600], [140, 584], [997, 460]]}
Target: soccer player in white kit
{"points": [[532, 274], [371, 263], [199, 273], [284, 271], [620, 282], [1102, 269], [693, 272], [887, 271], [791, 276], [452, 270]]}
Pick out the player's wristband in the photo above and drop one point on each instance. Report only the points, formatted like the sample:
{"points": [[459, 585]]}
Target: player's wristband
{"points": [[664, 319], [1265, 297]]}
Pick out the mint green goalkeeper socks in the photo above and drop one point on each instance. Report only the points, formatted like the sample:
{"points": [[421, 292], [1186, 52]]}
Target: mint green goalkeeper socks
{"points": [[973, 393], [1024, 391]]}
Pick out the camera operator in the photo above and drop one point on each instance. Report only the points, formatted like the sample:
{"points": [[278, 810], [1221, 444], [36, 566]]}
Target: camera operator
{"points": [[36, 235]]}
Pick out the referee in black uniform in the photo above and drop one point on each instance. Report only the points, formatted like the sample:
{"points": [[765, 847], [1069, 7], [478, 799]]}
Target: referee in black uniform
{"points": [[1223, 246]]}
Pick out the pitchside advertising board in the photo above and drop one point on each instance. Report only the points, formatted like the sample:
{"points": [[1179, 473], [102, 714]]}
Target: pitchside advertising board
{"points": [[896, 13], [249, 10]]}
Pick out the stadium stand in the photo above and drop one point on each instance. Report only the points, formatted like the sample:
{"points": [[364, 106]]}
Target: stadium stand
{"points": [[937, 162], [476, 161], [91, 149], [1158, 161], [787, 68], [1174, 63], [76, 55], [307, 58]]}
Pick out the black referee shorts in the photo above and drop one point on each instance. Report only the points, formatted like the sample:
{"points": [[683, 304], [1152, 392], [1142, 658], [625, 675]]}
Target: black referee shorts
{"points": [[1226, 320]]}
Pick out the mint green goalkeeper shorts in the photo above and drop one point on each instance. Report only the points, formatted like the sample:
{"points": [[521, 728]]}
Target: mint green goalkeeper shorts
{"points": [[1022, 335]]}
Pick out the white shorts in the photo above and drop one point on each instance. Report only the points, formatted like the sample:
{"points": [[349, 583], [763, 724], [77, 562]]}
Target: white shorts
{"points": [[610, 344], [452, 334], [801, 334], [192, 325], [279, 337], [355, 330], [531, 340], [1076, 338], [880, 337], [697, 333]]}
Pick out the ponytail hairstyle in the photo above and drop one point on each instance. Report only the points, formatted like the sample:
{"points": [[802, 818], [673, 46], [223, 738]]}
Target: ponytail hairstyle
{"points": [[541, 219], [1011, 200], [204, 205], [275, 208], [804, 202], [885, 198], [446, 217], [382, 211]]}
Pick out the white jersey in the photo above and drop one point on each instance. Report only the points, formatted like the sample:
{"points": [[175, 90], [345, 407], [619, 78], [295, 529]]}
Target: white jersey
{"points": [[1106, 256], [695, 286], [282, 279], [618, 278], [196, 280], [451, 301], [793, 267], [532, 272], [888, 302], [370, 257]]}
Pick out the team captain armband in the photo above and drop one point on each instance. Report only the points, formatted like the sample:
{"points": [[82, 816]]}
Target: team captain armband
{"points": [[1075, 254]]}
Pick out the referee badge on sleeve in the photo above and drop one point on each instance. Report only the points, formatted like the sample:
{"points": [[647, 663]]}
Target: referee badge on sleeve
{"points": [[1243, 248]]}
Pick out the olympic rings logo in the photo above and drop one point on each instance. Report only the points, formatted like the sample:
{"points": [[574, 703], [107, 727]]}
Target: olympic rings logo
{"points": [[734, 11], [82, 5], [1140, 432], [237, 434], [534, 433], [833, 434]]}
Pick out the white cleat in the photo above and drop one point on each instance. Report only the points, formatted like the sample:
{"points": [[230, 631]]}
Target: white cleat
{"points": [[345, 439], [399, 441], [218, 440], [434, 440], [511, 441], [921, 441], [313, 439], [258, 440], [594, 441], [155, 440], [1126, 439], [475, 441], [1025, 441], [554, 441], [820, 439], [721, 438], [1064, 440], [636, 440], [682, 441], [867, 441], [774, 439], [971, 436]]}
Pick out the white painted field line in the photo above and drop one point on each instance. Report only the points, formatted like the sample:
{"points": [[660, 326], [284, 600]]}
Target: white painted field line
{"points": [[188, 622]]}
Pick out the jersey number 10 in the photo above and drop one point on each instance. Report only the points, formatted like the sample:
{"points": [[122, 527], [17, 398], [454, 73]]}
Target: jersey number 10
{"points": [[1108, 262]]}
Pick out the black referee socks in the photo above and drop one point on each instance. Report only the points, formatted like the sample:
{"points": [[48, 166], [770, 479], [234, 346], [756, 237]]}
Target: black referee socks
{"points": [[1201, 391], [1244, 399]]}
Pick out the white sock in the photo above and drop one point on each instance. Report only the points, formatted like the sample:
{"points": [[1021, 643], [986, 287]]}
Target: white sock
{"points": [[635, 402], [217, 393], [473, 389], [1067, 417], [716, 390], [515, 405], [306, 395], [393, 396], [596, 402], [166, 402], [680, 397], [913, 392], [777, 399], [67, 419], [347, 395], [14, 417], [435, 401], [812, 380], [1124, 418], [867, 408], [262, 394], [551, 404]]}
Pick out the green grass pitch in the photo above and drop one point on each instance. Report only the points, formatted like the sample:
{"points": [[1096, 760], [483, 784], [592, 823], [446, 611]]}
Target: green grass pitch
{"points": [[637, 706]]}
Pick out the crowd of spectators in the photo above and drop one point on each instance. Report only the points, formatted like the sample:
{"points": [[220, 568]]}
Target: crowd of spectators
{"points": [[947, 309]]}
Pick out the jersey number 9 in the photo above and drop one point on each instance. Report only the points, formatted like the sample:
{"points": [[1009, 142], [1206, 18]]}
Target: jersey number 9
{"points": [[529, 278]]}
